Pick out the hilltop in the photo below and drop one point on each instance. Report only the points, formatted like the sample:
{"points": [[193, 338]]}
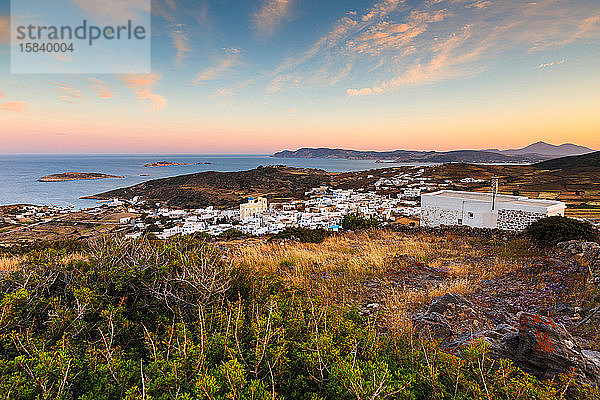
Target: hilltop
{"points": [[547, 149], [586, 161], [224, 189]]}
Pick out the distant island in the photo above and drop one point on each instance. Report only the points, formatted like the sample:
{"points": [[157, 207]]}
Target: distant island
{"points": [[76, 176], [533, 153], [164, 164]]}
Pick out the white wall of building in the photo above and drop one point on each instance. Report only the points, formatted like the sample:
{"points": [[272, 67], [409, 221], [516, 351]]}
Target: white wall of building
{"points": [[475, 210]]}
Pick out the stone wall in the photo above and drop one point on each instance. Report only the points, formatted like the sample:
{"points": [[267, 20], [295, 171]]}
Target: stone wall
{"points": [[517, 220], [435, 216]]}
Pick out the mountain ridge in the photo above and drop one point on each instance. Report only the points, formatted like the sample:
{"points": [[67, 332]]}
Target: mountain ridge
{"points": [[535, 152]]}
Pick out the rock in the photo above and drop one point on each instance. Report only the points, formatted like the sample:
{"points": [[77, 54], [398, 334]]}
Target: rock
{"points": [[542, 348], [433, 324], [436, 320], [565, 309], [450, 302]]}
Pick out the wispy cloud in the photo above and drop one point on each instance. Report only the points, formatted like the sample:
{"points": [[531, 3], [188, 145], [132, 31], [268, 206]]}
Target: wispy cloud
{"points": [[69, 94], [224, 64], [101, 88], [401, 44], [280, 81], [551, 64], [181, 43], [271, 15], [13, 106], [2, 95], [142, 84], [330, 46]]}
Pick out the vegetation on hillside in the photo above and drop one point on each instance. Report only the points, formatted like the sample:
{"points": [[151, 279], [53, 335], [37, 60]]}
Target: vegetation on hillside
{"points": [[175, 319], [357, 222], [552, 230], [304, 235]]}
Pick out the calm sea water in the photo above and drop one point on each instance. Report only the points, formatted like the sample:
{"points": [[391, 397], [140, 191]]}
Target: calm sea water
{"points": [[19, 173]]}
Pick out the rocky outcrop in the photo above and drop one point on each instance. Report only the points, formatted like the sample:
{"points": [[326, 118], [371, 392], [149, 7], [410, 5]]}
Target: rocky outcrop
{"points": [[589, 251], [443, 317], [545, 349], [539, 347], [536, 344]]}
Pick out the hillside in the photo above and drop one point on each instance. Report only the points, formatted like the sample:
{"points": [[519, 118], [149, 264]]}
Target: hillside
{"points": [[224, 189], [352, 317], [476, 156], [535, 152], [591, 160]]}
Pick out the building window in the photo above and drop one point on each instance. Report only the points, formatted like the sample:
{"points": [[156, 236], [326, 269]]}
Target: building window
{"points": [[460, 221], [470, 215]]}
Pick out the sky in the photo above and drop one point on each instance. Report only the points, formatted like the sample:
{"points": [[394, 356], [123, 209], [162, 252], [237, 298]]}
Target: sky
{"points": [[240, 76]]}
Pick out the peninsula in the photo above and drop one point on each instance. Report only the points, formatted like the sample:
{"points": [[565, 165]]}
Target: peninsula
{"points": [[76, 176]]}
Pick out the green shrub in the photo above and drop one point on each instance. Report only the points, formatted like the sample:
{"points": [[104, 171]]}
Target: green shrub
{"points": [[304, 235], [231, 234], [356, 222], [552, 230], [167, 320]]}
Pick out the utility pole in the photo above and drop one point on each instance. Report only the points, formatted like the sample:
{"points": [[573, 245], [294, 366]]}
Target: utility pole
{"points": [[495, 182]]}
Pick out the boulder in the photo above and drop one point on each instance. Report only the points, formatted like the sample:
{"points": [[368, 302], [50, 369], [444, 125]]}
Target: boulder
{"points": [[540, 347], [437, 320], [546, 349], [433, 325]]}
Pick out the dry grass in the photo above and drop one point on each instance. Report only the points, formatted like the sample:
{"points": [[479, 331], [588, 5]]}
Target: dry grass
{"points": [[402, 302], [74, 257], [10, 264], [337, 268]]}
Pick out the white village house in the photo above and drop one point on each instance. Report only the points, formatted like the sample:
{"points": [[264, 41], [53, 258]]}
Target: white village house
{"points": [[485, 210]]}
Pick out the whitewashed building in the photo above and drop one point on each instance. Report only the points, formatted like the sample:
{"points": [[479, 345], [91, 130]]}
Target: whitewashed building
{"points": [[483, 210]]}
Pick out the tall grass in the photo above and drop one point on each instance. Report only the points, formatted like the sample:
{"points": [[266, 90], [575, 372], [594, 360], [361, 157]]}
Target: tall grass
{"points": [[9, 264]]}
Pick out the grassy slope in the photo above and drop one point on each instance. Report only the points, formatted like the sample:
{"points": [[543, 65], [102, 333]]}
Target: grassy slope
{"points": [[180, 319]]}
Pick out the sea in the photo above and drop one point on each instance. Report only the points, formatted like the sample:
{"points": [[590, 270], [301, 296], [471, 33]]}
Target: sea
{"points": [[19, 174]]}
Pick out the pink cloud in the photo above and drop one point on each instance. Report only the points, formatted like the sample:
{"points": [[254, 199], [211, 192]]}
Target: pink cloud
{"points": [[222, 65], [141, 84], [359, 92], [2, 95], [180, 41], [101, 88], [69, 93], [13, 106], [269, 18]]}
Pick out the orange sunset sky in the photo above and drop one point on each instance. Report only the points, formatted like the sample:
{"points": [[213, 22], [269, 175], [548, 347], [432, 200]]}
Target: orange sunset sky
{"points": [[236, 76]]}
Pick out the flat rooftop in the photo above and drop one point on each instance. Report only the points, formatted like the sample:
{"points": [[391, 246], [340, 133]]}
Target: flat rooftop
{"points": [[500, 198]]}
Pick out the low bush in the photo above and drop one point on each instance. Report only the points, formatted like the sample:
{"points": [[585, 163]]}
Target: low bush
{"points": [[231, 234], [304, 235], [172, 320], [552, 230], [356, 222]]}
